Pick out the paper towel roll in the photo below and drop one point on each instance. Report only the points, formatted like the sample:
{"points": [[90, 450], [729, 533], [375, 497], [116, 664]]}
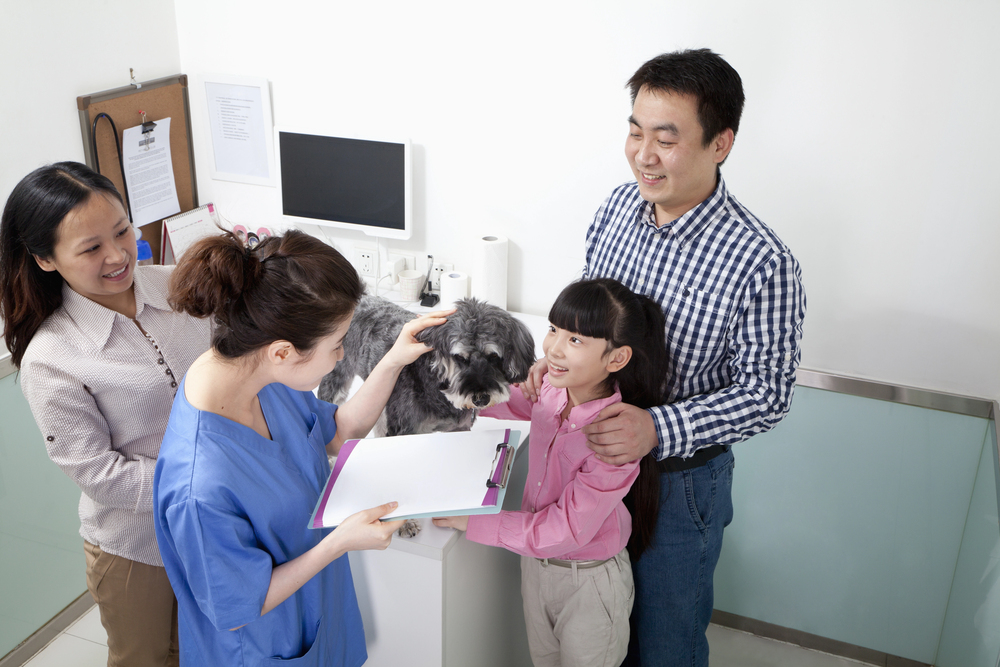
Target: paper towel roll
{"points": [[489, 282], [454, 286]]}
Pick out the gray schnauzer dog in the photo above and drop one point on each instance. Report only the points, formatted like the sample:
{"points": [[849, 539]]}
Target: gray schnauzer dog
{"points": [[478, 353]]}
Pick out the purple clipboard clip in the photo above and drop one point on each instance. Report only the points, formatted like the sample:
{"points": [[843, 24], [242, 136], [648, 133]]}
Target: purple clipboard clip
{"points": [[502, 464]]}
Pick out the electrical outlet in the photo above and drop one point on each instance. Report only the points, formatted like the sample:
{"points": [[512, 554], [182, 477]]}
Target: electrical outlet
{"points": [[364, 261], [440, 268]]}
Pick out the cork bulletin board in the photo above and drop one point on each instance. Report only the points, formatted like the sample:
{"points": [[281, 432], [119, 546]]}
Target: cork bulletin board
{"points": [[161, 98]]}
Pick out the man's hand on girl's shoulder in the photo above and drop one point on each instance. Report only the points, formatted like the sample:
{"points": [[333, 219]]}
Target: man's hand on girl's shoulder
{"points": [[621, 433]]}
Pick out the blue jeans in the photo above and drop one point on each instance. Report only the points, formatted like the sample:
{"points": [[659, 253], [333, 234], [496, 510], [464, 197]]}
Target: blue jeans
{"points": [[673, 578]]}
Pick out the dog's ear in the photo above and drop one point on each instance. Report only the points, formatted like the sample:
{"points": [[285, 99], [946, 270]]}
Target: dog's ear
{"points": [[438, 337], [520, 353]]}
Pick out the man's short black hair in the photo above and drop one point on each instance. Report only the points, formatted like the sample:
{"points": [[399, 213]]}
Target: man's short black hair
{"points": [[712, 81]]}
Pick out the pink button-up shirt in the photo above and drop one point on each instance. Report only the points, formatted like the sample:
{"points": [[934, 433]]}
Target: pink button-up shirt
{"points": [[572, 506]]}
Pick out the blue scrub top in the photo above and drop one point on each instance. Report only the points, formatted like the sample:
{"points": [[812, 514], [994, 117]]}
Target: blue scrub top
{"points": [[230, 505]]}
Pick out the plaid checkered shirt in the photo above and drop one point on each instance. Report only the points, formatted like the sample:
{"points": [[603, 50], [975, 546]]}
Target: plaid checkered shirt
{"points": [[733, 300]]}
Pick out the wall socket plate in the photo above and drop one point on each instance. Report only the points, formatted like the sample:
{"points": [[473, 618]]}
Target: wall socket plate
{"points": [[439, 269], [364, 261]]}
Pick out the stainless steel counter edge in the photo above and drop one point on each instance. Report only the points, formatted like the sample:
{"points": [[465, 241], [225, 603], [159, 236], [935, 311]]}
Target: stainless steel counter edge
{"points": [[921, 398], [6, 365]]}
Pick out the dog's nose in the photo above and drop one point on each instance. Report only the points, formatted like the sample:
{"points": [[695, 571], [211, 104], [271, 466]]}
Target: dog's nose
{"points": [[481, 400]]}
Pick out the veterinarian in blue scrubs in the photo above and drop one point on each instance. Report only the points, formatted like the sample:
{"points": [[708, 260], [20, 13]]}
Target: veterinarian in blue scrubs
{"points": [[244, 458]]}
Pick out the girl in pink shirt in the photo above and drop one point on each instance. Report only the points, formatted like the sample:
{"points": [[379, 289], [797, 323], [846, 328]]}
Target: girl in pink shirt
{"points": [[605, 344]]}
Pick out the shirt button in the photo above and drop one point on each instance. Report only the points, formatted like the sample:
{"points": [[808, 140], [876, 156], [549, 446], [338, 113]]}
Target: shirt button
{"points": [[539, 484], [160, 361], [50, 438], [173, 384], [572, 425]]}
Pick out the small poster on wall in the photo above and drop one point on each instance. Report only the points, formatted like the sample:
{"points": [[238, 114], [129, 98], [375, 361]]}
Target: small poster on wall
{"points": [[239, 118]]}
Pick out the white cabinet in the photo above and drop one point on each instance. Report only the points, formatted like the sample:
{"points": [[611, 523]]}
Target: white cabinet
{"points": [[439, 600]]}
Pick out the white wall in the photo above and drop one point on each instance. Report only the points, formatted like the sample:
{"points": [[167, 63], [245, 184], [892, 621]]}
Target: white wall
{"points": [[869, 138], [869, 143], [52, 51]]}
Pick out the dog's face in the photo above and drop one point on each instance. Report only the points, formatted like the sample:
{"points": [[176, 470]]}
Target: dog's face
{"points": [[478, 353]]}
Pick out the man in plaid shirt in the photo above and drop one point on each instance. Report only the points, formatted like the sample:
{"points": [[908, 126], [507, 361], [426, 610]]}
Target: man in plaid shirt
{"points": [[732, 296]]}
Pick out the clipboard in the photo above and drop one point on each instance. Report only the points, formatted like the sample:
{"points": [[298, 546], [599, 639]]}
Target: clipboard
{"points": [[434, 474]]}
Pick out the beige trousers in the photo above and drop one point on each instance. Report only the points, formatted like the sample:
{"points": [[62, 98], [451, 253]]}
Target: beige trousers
{"points": [[138, 609], [577, 618]]}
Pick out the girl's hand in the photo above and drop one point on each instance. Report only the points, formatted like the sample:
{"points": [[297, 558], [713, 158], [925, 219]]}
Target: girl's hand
{"points": [[533, 384], [457, 522], [363, 530], [407, 348]]}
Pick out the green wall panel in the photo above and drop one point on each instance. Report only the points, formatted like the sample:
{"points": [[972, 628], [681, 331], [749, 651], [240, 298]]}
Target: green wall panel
{"points": [[41, 551], [849, 519], [971, 635]]}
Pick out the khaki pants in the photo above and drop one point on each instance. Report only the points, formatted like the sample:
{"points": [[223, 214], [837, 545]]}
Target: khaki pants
{"points": [[138, 609], [577, 617]]}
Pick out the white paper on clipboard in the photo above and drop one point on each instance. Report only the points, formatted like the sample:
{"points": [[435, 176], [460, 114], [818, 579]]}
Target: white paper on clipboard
{"points": [[431, 474], [149, 173], [181, 231]]}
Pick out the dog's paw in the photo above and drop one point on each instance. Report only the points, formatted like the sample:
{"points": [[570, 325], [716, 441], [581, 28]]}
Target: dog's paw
{"points": [[409, 529]]}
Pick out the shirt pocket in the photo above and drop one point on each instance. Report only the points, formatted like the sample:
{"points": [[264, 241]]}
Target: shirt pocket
{"points": [[318, 654], [697, 321], [572, 453]]}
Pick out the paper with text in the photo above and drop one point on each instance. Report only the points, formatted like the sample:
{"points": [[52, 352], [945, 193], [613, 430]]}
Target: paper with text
{"points": [[239, 135], [149, 173]]}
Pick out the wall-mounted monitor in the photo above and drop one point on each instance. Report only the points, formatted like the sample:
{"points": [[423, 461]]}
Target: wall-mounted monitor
{"points": [[345, 182]]}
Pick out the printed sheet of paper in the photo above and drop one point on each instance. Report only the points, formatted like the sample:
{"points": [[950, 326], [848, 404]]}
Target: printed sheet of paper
{"points": [[236, 115], [149, 173], [433, 473]]}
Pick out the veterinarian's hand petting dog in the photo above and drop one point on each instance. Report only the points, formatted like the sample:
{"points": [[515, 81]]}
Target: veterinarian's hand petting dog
{"points": [[478, 354], [356, 417], [457, 522], [407, 348]]}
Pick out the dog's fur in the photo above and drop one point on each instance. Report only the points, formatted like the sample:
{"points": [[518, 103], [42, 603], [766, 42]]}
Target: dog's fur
{"points": [[476, 355]]}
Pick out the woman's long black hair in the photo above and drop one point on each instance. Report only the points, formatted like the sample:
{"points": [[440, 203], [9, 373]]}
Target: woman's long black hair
{"points": [[31, 218], [604, 308]]}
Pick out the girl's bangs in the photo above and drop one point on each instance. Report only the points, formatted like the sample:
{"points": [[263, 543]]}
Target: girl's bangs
{"points": [[583, 308]]}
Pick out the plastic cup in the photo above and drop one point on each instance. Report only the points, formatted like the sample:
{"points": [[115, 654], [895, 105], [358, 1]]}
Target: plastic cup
{"points": [[411, 282]]}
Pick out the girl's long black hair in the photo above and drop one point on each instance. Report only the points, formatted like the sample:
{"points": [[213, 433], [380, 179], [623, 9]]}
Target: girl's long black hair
{"points": [[604, 308]]}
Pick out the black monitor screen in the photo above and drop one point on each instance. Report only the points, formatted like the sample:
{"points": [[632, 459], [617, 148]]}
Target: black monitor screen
{"points": [[343, 180]]}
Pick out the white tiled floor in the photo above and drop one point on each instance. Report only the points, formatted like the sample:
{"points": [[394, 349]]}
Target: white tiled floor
{"points": [[732, 648], [84, 644]]}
